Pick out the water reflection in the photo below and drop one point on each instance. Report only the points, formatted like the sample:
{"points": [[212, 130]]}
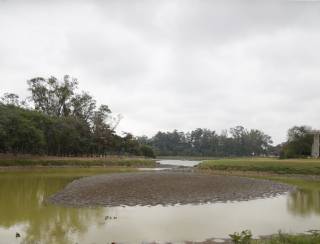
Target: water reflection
{"points": [[22, 210], [21, 203], [185, 163], [304, 202]]}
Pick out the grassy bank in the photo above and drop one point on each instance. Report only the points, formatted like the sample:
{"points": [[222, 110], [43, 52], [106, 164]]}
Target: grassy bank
{"points": [[271, 165], [281, 238], [292, 239], [73, 161]]}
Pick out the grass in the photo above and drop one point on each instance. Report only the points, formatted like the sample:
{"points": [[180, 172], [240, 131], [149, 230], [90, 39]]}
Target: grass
{"points": [[65, 172], [270, 165], [292, 239], [280, 238], [305, 184], [76, 161]]}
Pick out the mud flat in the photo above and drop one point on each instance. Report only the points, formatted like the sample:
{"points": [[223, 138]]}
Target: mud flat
{"points": [[165, 188]]}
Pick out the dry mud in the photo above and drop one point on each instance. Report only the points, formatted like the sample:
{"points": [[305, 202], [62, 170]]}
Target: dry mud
{"points": [[165, 188]]}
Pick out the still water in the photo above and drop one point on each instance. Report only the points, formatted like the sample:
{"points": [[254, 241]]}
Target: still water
{"points": [[22, 210], [187, 163]]}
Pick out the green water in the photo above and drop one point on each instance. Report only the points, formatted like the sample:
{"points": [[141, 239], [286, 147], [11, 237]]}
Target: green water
{"points": [[23, 210]]}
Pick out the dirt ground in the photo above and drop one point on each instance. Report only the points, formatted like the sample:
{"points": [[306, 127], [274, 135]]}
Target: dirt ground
{"points": [[165, 188]]}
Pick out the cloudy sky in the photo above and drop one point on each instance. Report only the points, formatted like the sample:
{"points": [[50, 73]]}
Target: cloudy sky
{"points": [[173, 64]]}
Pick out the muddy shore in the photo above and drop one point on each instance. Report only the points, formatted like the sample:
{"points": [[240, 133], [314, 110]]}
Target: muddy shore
{"points": [[165, 188]]}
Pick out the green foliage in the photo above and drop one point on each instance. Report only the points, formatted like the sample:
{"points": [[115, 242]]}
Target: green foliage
{"points": [[51, 96], [85, 162], [63, 122], [10, 99], [282, 238], [244, 237], [18, 133], [205, 142], [299, 143], [147, 151]]}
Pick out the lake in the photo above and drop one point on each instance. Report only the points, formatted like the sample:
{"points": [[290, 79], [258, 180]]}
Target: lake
{"points": [[23, 210]]}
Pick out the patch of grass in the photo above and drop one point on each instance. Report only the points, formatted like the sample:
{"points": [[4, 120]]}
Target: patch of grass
{"points": [[245, 237], [272, 165], [282, 238], [306, 184], [81, 162], [58, 172]]}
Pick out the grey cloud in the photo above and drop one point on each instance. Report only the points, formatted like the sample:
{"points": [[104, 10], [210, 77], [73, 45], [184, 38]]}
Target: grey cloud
{"points": [[173, 64]]}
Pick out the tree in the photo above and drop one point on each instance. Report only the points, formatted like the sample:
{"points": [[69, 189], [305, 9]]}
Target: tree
{"points": [[298, 144], [130, 144], [18, 133], [83, 106], [206, 142], [147, 151], [51, 96], [10, 99], [62, 122]]}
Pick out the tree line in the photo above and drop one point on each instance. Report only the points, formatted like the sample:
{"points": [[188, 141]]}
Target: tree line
{"points": [[57, 119], [237, 141]]}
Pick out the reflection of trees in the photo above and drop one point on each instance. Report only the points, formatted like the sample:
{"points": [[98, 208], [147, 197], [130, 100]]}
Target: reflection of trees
{"points": [[304, 202], [22, 203]]}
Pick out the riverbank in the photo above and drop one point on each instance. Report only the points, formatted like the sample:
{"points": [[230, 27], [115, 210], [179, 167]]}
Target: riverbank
{"points": [[110, 161], [264, 165], [281, 238]]}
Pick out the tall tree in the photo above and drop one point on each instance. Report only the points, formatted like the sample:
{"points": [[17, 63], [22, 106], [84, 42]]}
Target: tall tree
{"points": [[299, 143], [51, 96], [10, 99]]}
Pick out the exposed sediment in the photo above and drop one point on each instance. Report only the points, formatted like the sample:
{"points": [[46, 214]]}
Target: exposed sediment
{"points": [[165, 188]]}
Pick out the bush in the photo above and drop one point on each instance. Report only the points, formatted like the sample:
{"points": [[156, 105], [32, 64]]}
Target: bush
{"points": [[147, 151], [244, 237]]}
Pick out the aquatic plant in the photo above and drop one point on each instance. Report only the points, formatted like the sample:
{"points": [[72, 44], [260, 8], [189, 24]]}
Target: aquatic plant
{"points": [[244, 237]]}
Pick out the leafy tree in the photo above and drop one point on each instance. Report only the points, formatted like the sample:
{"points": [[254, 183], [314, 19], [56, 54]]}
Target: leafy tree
{"points": [[83, 106], [10, 99], [18, 134], [51, 96], [130, 144], [206, 142], [62, 122], [299, 143], [147, 151]]}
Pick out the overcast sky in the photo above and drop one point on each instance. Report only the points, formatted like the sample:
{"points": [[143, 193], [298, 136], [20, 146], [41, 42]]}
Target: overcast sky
{"points": [[168, 65]]}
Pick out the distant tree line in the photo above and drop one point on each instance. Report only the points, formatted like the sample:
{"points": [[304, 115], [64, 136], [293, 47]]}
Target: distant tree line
{"points": [[238, 141], [58, 120]]}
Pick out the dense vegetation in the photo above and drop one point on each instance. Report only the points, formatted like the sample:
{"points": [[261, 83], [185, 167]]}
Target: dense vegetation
{"points": [[237, 141], [299, 143], [72, 161], [58, 120]]}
